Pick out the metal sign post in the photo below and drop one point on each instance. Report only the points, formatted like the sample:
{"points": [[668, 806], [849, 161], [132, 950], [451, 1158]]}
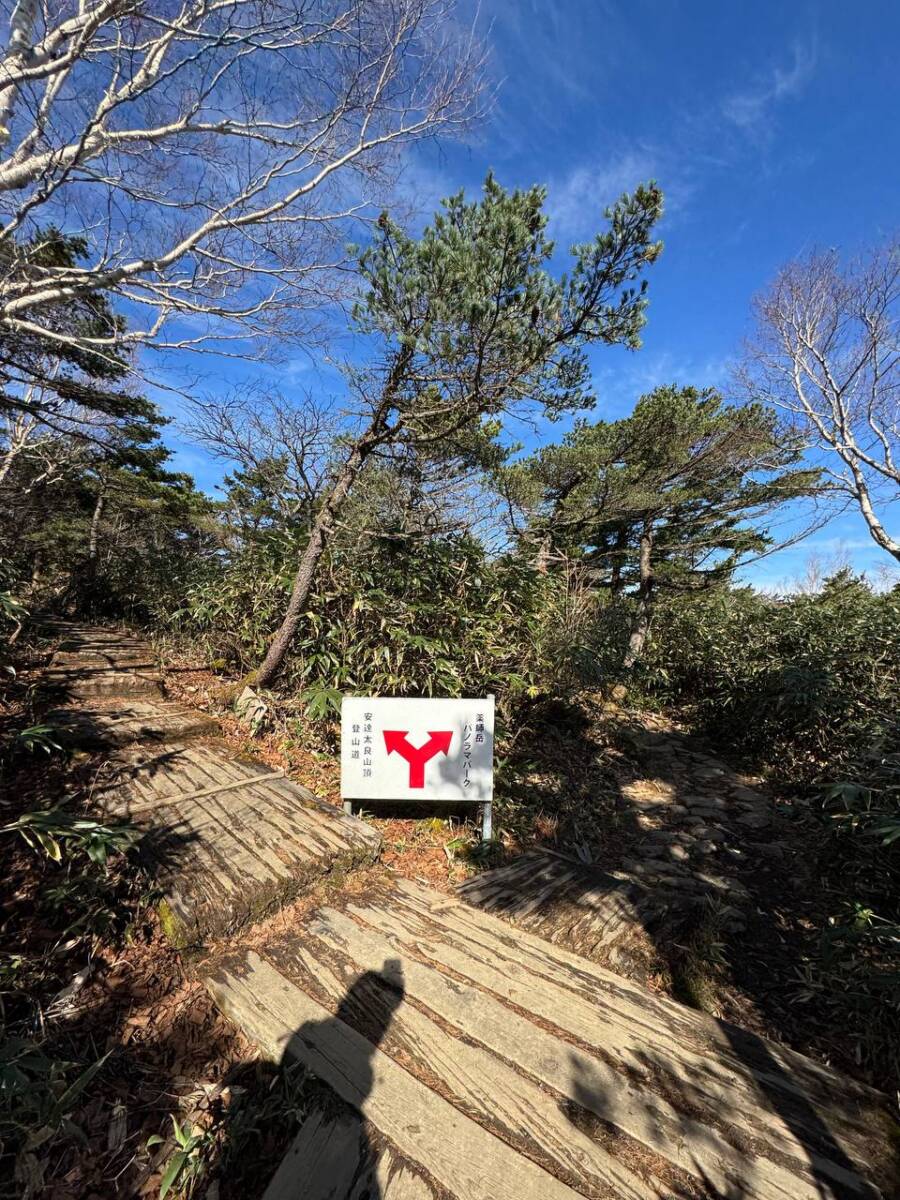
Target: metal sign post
{"points": [[435, 751]]}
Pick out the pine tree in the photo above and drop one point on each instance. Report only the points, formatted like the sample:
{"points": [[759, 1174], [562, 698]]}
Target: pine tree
{"points": [[469, 325], [673, 497]]}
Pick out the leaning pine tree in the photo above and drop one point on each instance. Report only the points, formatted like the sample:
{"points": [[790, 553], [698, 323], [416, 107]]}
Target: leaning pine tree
{"points": [[471, 327]]}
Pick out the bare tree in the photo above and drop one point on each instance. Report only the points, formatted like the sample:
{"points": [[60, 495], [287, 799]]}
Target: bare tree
{"points": [[211, 152], [827, 351], [283, 444]]}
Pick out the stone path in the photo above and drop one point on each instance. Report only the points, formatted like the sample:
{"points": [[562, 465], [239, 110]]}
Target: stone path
{"points": [[694, 828], [458, 1056]]}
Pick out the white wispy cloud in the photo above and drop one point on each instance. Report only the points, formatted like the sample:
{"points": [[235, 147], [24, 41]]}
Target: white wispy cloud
{"points": [[620, 385], [752, 108], [576, 200], [422, 186]]}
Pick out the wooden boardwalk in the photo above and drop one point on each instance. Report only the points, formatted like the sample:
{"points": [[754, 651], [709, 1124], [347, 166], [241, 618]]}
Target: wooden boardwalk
{"points": [[492, 1065], [228, 839], [457, 1056]]}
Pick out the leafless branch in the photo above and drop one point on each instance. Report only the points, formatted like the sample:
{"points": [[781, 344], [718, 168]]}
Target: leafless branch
{"points": [[213, 152], [827, 352]]}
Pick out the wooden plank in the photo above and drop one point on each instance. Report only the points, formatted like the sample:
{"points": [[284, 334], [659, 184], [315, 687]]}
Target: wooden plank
{"points": [[586, 910], [764, 1092], [543, 961], [121, 722], [455, 1151], [578, 1078], [78, 683], [589, 988], [395, 1181], [330, 1159], [201, 793], [93, 662], [475, 1080], [323, 1162], [227, 841]]}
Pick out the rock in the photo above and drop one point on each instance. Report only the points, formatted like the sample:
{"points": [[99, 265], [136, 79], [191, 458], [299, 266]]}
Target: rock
{"points": [[753, 820], [251, 709], [710, 772], [698, 802], [654, 850], [678, 852], [747, 795]]}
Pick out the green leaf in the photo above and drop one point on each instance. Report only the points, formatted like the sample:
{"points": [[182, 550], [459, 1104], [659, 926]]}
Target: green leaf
{"points": [[173, 1169]]}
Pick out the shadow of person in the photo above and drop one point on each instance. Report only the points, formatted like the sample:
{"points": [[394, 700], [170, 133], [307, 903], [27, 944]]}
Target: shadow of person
{"points": [[332, 1157]]}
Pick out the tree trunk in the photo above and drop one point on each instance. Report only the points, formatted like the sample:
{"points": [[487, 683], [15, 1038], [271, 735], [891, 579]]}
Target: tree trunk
{"points": [[17, 437], [306, 571], [37, 568], [8, 458], [615, 580], [375, 435], [542, 558], [95, 527], [640, 626], [879, 534]]}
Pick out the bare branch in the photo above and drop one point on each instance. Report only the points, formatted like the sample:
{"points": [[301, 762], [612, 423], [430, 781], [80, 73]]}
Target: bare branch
{"points": [[827, 352], [228, 142]]}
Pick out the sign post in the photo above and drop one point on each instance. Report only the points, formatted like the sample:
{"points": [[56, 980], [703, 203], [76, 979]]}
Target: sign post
{"points": [[435, 751]]}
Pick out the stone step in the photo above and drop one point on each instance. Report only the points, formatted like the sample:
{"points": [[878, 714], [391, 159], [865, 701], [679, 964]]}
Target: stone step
{"points": [[229, 839], [492, 1065]]}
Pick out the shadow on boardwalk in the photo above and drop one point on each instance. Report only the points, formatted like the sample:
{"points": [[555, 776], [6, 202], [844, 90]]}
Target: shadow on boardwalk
{"points": [[332, 1156]]}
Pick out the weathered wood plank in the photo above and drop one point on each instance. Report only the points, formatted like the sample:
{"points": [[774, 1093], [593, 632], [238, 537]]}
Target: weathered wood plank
{"points": [[226, 840], [120, 723], [595, 914], [394, 1181], [476, 1081], [79, 683], [330, 1159], [323, 1162], [466, 1160], [726, 1077], [599, 986], [578, 1078]]}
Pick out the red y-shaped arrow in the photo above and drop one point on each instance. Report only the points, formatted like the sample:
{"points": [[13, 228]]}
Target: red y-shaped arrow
{"points": [[395, 742]]}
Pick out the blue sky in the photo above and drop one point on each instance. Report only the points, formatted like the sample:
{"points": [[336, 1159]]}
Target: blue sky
{"points": [[771, 127]]}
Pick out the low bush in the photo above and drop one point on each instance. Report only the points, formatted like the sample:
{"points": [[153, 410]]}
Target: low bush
{"points": [[435, 617], [804, 685], [808, 687]]}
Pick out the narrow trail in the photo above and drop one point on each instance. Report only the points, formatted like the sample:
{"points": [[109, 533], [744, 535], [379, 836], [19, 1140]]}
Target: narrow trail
{"points": [[462, 1054]]}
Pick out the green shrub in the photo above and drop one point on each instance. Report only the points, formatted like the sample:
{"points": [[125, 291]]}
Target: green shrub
{"points": [[809, 688], [394, 617], [804, 685]]}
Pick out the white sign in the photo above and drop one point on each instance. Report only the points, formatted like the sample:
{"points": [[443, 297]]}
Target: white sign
{"points": [[417, 749]]}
